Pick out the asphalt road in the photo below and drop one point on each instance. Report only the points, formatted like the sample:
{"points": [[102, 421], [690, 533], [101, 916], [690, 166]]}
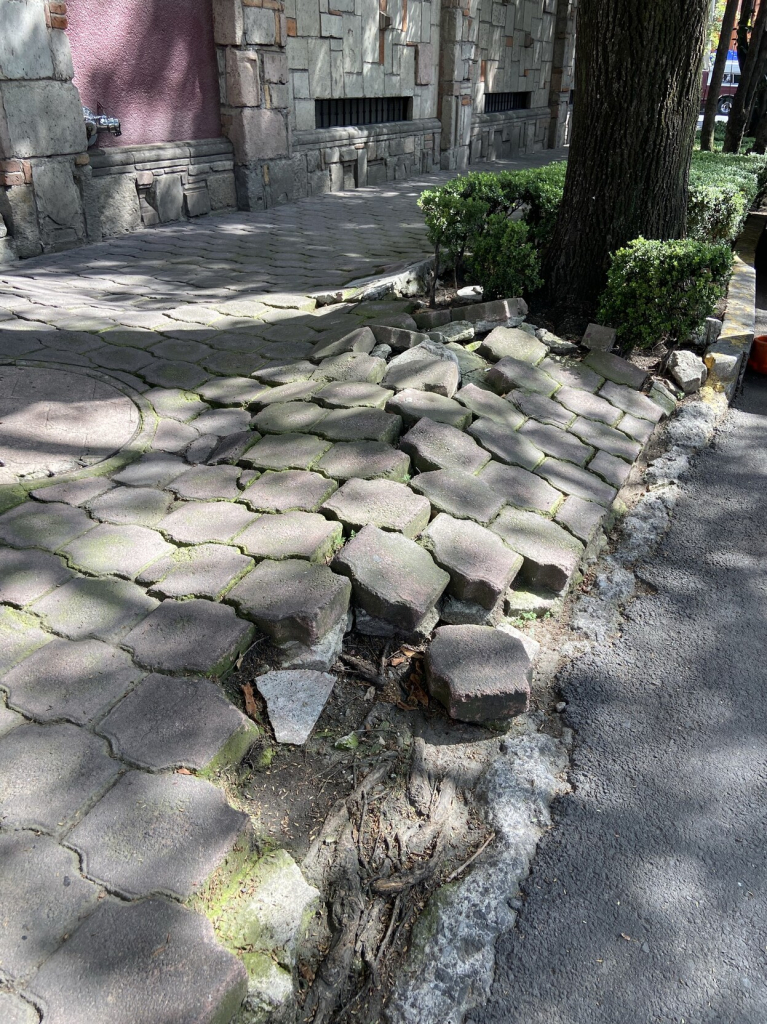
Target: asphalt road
{"points": [[648, 901]]}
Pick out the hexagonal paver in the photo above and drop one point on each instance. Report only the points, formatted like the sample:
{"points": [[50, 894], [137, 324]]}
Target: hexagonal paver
{"points": [[352, 366], [197, 522], [581, 518], [292, 599], [188, 351], [105, 608], [286, 373], [574, 480], [413, 405], [557, 442], [231, 449], [384, 503], [131, 506], [285, 451], [47, 526], [615, 369], [15, 1010], [175, 404], [507, 445], [153, 470], [289, 418], [169, 722], [615, 471], [222, 421], [520, 488], [351, 394], [639, 429], [509, 374], [490, 406], [294, 701], [460, 494], [438, 446], [542, 409], [205, 570], [51, 773], [232, 391], [70, 680], [189, 636], [74, 492], [27, 575], [480, 566], [584, 403], [422, 369], [296, 392], [169, 373], [572, 374], [365, 460], [20, 634], [292, 535], [172, 436], [629, 400], [550, 554], [511, 341], [284, 492], [207, 483], [116, 550], [607, 439], [360, 340], [360, 424]]}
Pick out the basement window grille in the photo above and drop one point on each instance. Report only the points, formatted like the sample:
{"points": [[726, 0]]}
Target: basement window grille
{"points": [[496, 102], [356, 112]]}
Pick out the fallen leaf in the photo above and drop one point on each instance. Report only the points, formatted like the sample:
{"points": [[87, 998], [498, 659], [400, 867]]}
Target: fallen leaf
{"points": [[397, 661], [306, 972], [409, 652], [418, 692], [183, 771], [251, 708], [626, 937]]}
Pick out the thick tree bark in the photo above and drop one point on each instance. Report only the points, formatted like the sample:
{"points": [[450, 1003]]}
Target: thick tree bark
{"points": [[717, 75], [744, 30], [632, 140], [750, 77]]}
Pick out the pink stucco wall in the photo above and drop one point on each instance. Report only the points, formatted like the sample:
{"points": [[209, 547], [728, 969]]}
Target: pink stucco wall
{"points": [[152, 63]]}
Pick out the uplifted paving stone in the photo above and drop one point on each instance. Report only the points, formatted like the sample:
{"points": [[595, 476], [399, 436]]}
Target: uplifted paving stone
{"points": [[607, 439], [207, 483], [507, 445], [131, 506], [236, 391], [175, 404], [360, 340], [285, 451], [540, 408], [480, 566], [632, 401], [393, 577], [294, 700], [116, 550], [572, 374], [557, 442], [153, 470], [413, 405], [43, 898], [421, 369], [550, 554], [352, 394], [574, 480], [51, 774], [288, 491], [584, 403], [638, 429], [460, 494], [168, 373], [439, 446], [453, 332], [296, 392], [360, 424], [20, 634], [285, 373], [618, 370], [28, 574], [230, 450], [384, 503], [487, 404], [205, 570], [510, 341], [198, 522], [366, 460], [479, 673], [168, 722], [599, 337], [292, 535], [172, 436], [102, 608], [398, 338], [352, 366], [69, 680], [615, 471], [15, 1010], [48, 526], [520, 488], [221, 421], [473, 367], [292, 599], [509, 374], [289, 418], [189, 636], [581, 518], [75, 492]]}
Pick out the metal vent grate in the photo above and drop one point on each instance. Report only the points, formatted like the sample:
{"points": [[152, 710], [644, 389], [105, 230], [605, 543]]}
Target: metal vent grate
{"points": [[495, 102], [353, 112]]}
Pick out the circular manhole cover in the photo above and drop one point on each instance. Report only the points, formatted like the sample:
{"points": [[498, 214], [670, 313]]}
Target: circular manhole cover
{"points": [[55, 421]]}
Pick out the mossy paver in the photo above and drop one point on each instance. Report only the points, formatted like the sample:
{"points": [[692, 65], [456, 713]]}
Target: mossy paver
{"points": [[540, 408], [572, 374], [581, 518], [74, 492], [364, 460], [116, 550], [204, 570], [421, 369], [510, 341], [639, 429], [296, 392], [615, 471], [550, 554], [199, 522], [506, 445], [413, 405], [352, 366], [571, 479], [352, 394], [607, 439], [285, 451], [131, 506], [632, 401], [520, 488], [26, 575], [509, 374], [616, 369], [360, 424], [487, 404], [102, 608], [221, 421], [47, 526], [557, 442], [480, 566], [384, 503], [175, 404], [459, 494], [288, 491], [439, 446], [153, 470], [584, 403], [20, 634], [167, 373], [289, 418], [294, 700], [229, 450], [235, 391], [207, 483], [286, 373]]}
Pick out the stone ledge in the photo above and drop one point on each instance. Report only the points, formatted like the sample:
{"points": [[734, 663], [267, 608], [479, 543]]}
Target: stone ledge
{"points": [[321, 137], [109, 160], [506, 116]]}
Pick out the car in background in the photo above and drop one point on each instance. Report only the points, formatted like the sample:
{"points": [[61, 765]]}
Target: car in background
{"points": [[728, 88]]}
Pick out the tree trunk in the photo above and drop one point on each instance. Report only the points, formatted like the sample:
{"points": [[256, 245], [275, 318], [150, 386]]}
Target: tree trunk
{"points": [[760, 135], [717, 75], [751, 75], [744, 30], [637, 88]]}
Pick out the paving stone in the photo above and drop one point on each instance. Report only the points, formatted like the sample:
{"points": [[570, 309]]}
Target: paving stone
{"points": [[490, 406], [618, 370], [189, 636], [152, 470], [27, 575], [297, 392], [201, 522], [550, 554], [638, 429], [48, 526], [43, 898], [398, 338], [131, 506], [102, 608], [285, 373], [122, 357], [472, 366], [75, 492], [520, 488], [352, 366], [662, 396], [285, 451], [222, 421], [20, 635], [607, 439], [8, 720], [557, 442], [352, 394], [454, 332], [581, 518], [320, 656], [292, 599], [15, 1010], [167, 722], [510, 341], [393, 578], [478, 673], [632, 401], [116, 550], [540, 408], [521, 600], [439, 446], [462, 495], [70, 680], [370, 625], [360, 424], [49, 774], [584, 403], [232, 391], [230, 450], [365, 460], [234, 364], [480, 566], [205, 570], [172, 436], [186, 351], [414, 405], [486, 315], [599, 337], [510, 374], [166, 373], [507, 445], [294, 701], [384, 503], [615, 471], [175, 404], [289, 418], [199, 450], [454, 612], [574, 480], [420, 368], [288, 491], [207, 483], [292, 535], [572, 374], [360, 340]]}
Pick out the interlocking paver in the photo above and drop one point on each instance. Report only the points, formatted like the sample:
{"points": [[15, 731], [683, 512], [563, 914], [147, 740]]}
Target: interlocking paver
{"points": [[231, 449], [292, 535], [74, 492], [507, 445], [205, 570], [200, 522], [47, 526], [557, 442], [509, 374], [351, 394], [439, 446], [540, 408], [102, 608], [352, 367], [28, 574], [285, 373], [520, 488], [153, 470], [421, 369], [584, 403], [20, 634], [365, 460], [168, 373], [175, 404], [550, 554], [207, 483], [384, 503], [607, 439], [236, 391], [510, 341], [616, 369], [186, 351], [360, 424], [460, 494], [480, 566], [284, 492], [289, 418], [641, 430], [172, 436], [488, 405], [296, 392], [131, 506], [285, 451], [614, 470], [571, 479], [582, 518], [632, 401], [573, 375], [413, 405], [116, 550]]}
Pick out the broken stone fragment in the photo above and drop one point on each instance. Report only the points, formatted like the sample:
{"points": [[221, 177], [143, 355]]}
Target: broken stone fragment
{"points": [[599, 337], [294, 700], [688, 370]]}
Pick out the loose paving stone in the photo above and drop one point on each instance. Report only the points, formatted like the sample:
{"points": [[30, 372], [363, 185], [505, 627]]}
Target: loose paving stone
{"points": [[167, 373], [221, 421], [46, 526], [398, 338], [584, 403], [14, 1010], [520, 488], [573, 480], [230, 449], [360, 424], [292, 599], [198, 523], [175, 404], [510, 374], [509, 446], [153, 470], [478, 673], [289, 418], [439, 446], [131, 506], [366, 460], [384, 503], [75, 492], [285, 451], [232, 391], [490, 406], [205, 570], [297, 392], [292, 535], [207, 483], [43, 898], [189, 636], [172, 436], [70, 680], [581, 518], [199, 450], [456, 331], [352, 367], [560, 346], [632, 401], [27, 575], [550, 554], [638, 429], [102, 608], [320, 656], [544, 410], [486, 315], [472, 366], [454, 612], [480, 566], [462, 495], [393, 578], [20, 635], [294, 701], [288, 491], [557, 442], [123, 956], [352, 394], [615, 471], [360, 340], [510, 341], [521, 600], [573, 375], [607, 439], [414, 405], [116, 550], [168, 722], [599, 337], [420, 368], [615, 369], [285, 373], [662, 396], [49, 774]]}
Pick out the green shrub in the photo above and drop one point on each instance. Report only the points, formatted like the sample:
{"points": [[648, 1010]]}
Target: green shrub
{"points": [[723, 188], [502, 259], [663, 291]]}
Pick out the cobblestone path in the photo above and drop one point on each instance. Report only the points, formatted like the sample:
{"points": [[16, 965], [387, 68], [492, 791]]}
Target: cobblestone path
{"points": [[217, 439]]}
